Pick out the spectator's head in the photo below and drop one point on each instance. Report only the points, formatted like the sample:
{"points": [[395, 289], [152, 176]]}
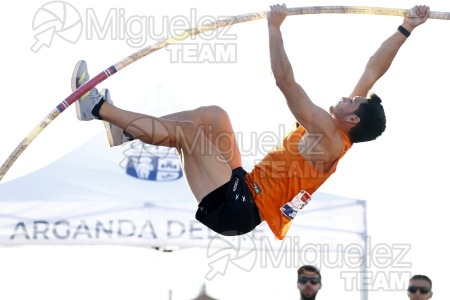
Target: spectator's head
{"points": [[309, 282], [419, 288]]}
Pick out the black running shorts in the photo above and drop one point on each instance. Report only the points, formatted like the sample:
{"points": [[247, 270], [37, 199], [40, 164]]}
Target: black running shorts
{"points": [[230, 209]]}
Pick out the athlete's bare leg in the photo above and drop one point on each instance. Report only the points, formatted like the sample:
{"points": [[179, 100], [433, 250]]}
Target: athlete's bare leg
{"points": [[216, 125], [203, 137]]}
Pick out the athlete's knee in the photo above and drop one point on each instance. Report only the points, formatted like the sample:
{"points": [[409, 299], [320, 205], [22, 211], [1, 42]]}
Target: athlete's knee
{"points": [[212, 114]]}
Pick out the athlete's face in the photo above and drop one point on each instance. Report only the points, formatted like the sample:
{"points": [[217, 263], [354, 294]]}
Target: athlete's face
{"points": [[309, 285], [346, 106]]}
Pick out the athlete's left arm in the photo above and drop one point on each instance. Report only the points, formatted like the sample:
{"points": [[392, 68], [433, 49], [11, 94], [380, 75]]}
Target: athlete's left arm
{"points": [[382, 59]]}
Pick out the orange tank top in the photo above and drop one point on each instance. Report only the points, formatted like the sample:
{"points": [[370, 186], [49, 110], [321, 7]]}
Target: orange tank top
{"points": [[282, 176]]}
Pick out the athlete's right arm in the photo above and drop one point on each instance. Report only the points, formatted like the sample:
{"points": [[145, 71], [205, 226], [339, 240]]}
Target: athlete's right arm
{"points": [[313, 118]]}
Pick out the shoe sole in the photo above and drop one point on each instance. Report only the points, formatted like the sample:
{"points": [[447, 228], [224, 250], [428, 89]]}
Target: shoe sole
{"points": [[111, 131], [107, 125], [108, 133], [74, 87]]}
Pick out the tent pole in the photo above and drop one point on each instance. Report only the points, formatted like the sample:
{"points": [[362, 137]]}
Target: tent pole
{"points": [[364, 271]]}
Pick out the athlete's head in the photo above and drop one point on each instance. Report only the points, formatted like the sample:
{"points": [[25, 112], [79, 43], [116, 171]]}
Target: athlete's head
{"points": [[372, 120], [365, 116]]}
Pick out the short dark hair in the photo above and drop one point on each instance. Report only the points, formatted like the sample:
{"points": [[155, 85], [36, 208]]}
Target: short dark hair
{"points": [[372, 121], [309, 268], [422, 277]]}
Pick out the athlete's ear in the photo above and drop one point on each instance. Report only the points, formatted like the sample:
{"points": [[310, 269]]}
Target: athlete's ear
{"points": [[352, 119]]}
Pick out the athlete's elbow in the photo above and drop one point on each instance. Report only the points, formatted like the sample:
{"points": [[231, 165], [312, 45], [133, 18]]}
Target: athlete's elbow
{"points": [[283, 80], [280, 82], [278, 75], [283, 76]]}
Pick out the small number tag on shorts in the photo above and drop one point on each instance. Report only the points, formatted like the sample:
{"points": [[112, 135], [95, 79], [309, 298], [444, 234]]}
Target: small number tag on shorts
{"points": [[291, 208], [257, 188]]}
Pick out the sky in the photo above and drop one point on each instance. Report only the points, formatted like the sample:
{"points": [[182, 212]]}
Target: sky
{"points": [[400, 175]]}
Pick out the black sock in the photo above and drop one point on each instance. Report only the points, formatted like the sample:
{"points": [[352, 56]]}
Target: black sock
{"points": [[96, 110]]}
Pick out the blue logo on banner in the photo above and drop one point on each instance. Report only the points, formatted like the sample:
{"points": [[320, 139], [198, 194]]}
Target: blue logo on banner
{"points": [[156, 163]]}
